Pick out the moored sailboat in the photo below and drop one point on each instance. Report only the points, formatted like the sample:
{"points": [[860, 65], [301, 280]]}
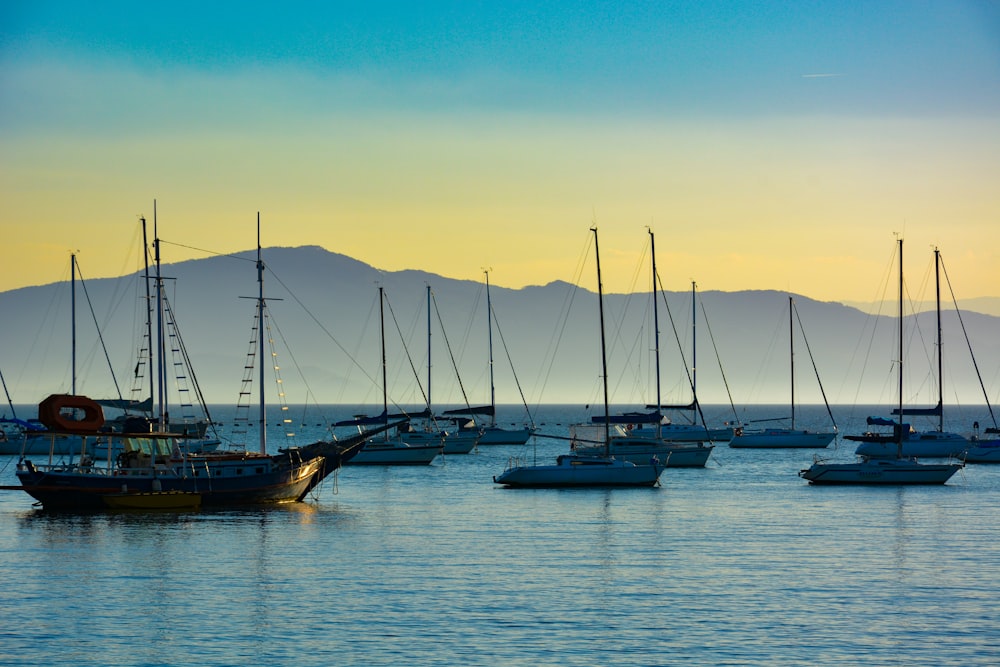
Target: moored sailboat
{"points": [[898, 470], [922, 444], [635, 442], [788, 437], [577, 470], [154, 462]]}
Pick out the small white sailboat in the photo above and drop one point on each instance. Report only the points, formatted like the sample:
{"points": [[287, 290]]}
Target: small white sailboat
{"points": [[984, 450], [393, 448], [790, 437], [634, 442], [920, 444], [575, 470], [898, 470], [491, 433]]}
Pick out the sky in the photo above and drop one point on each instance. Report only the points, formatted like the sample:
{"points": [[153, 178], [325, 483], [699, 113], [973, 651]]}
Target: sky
{"points": [[770, 145]]}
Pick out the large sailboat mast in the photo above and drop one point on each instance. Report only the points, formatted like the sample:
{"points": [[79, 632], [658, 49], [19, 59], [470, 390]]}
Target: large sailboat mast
{"points": [[899, 431], [604, 356], [72, 308], [940, 350], [791, 354], [262, 415], [489, 337], [161, 343], [656, 333]]}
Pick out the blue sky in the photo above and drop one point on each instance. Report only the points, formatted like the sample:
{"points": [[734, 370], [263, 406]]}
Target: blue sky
{"points": [[823, 127]]}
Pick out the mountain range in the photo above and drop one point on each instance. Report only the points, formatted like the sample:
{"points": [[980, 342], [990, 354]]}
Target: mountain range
{"points": [[324, 321]]}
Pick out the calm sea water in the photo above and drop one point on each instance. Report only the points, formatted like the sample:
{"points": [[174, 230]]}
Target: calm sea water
{"points": [[740, 563]]}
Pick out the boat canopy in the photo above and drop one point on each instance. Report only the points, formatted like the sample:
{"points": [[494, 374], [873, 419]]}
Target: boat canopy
{"points": [[361, 420], [882, 421], [474, 410], [936, 411], [629, 418], [26, 425], [693, 405], [126, 404]]}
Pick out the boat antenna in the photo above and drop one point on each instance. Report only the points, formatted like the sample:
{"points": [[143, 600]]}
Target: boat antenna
{"points": [[604, 356]]}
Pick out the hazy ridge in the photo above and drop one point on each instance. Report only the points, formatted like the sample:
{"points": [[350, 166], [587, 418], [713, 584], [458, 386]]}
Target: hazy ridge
{"points": [[325, 308]]}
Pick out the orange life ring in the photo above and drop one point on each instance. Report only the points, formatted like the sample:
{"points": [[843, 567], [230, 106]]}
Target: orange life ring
{"points": [[50, 414]]}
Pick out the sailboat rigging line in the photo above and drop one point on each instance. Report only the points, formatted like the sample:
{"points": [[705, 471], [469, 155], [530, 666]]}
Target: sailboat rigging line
{"points": [[510, 362], [406, 350], [100, 334], [209, 252], [822, 391], [968, 343], [447, 346], [562, 321], [718, 360], [187, 362], [323, 328]]}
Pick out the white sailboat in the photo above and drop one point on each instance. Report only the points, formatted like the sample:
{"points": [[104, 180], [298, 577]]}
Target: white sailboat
{"points": [[922, 444], [392, 448], [491, 433], [456, 441], [898, 470], [635, 443], [576, 470], [983, 448], [788, 437]]}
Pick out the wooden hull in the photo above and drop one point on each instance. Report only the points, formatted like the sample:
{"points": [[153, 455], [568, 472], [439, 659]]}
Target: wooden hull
{"points": [[163, 500]]}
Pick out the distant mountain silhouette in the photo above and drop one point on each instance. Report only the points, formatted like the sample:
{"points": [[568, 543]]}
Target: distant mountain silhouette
{"points": [[326, 331]]}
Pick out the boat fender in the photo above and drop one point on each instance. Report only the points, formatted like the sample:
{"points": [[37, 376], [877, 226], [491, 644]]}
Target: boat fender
{"points": [[50, 414]]}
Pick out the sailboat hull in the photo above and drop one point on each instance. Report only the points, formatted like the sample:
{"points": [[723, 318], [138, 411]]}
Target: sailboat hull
{"points": [[396, 453], [929, 445], [880, 471], [983, 451], [494, 435], [640, 450], [580, 471], [77, 488], [782, 438]]}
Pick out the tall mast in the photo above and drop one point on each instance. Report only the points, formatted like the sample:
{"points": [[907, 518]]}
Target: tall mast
{"points": [[656, 332], [161, 382], [262, 417], [489, 328], [385, 386], [149, 314], [899, 433], [428, 349], [604, 356], [940, 342], [72, 309], [694, 340], [791, 354]]}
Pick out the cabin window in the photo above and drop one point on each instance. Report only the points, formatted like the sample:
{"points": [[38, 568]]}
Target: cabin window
{"points": [[239, 471], [260, 470], [218, 473]]}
